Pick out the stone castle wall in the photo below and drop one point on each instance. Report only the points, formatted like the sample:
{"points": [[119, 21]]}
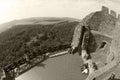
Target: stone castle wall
{"points": [[113, 13], [109, 20], [106, 10]]}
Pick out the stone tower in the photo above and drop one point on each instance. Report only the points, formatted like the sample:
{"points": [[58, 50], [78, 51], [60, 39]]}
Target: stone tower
{"points": [[113, 13], [105, 10]]}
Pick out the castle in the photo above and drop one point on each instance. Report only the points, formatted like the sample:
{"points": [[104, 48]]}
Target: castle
{"points": [[106, 10]]}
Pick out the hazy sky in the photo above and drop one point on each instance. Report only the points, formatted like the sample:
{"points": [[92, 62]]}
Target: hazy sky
{"points": [[17, 9]]}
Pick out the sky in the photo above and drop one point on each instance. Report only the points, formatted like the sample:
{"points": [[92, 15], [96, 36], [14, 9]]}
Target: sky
{"points": [[18, 9]]}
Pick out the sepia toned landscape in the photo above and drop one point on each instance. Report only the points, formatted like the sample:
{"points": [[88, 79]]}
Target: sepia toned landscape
{"points": [[62, 48]]}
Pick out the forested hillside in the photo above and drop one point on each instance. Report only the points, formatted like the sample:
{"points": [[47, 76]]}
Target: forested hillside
{"points": [[36, 38]]}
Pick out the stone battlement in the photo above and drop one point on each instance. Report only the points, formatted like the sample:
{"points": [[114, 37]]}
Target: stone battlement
{"points": [[113, 13], [106, 10]]}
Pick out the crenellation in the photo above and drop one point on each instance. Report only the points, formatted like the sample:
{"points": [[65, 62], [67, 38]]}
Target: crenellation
{"points": [[105, 10], [113, 13]]}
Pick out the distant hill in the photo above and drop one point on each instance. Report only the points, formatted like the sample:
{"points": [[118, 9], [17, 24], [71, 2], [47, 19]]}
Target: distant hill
{"points": [[28, 36], [35, 20]]}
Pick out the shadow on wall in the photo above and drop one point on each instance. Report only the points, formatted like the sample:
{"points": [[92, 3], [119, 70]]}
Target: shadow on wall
{"points": [[92, 44]]}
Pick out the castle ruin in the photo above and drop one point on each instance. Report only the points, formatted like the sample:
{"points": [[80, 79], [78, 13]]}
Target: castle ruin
{"points": [[113, 13], [105, 10]]}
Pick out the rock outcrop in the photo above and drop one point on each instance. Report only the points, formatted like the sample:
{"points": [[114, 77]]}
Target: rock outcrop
{"points": [[109, 24], [100, 21], [103, 41]]}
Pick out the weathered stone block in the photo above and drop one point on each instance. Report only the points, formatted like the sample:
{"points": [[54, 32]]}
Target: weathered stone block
{"points": [[113, 13], [105, 10]]}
